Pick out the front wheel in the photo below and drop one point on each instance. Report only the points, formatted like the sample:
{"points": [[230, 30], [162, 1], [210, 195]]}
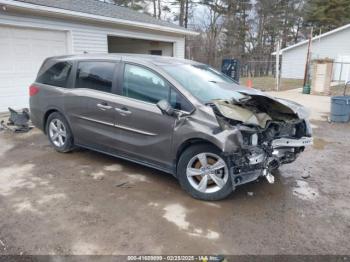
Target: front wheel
{"points": [[203, 173]]}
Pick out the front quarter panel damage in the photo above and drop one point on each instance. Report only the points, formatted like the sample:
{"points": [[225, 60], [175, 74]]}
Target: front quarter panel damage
{"points": [[203, 125], [245, 132]]}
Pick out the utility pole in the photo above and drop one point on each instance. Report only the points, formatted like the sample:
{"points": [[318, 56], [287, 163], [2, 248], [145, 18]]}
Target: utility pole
{"points": [[278, 65], [306, 86]]}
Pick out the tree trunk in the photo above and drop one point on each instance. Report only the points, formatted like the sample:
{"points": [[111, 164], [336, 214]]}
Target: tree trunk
{"points": [[154, 8], [182, 13], [186, 13], [159, 9]]}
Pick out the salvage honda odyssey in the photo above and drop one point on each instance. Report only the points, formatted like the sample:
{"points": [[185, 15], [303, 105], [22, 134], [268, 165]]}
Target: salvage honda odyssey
{"points": [[175, 115]]}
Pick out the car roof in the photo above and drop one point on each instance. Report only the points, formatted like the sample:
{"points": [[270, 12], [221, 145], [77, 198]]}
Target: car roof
{"points": [[151, 59]]}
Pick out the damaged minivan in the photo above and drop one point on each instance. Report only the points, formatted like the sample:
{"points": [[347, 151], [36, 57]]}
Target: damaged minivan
{"points": [[179, 116]]}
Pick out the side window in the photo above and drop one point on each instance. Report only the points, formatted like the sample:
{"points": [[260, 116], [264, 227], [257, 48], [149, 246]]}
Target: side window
{"points": [[178, 102], [54, 74], [95, 75], [142, 84]]}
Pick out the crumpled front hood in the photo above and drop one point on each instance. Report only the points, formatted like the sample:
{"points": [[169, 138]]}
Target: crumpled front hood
{"points": [[239, 113], [259, 107], [279, 103], [299, 109]]}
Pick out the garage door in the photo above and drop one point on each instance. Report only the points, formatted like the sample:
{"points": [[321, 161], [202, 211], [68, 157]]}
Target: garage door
{"points": [[22, 51]]}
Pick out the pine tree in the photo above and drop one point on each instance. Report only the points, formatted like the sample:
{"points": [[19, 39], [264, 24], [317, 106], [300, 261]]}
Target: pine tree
{"points": [[133, 4], [327, 14]]}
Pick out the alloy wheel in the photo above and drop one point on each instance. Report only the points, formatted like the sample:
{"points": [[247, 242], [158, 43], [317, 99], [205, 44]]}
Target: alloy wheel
{"points": [[57, 132], [207, 172]]}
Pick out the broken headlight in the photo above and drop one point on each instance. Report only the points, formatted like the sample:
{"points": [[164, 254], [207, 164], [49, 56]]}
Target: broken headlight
{"points": [[251, 139]]}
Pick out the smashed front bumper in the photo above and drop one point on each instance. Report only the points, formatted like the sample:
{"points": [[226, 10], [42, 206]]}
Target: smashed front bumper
{"points": [[289, 142], [260, 161]]}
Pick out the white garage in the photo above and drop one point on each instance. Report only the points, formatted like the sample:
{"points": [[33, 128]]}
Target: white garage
{"points": [[31, 30], [333, 44], [22, 51]]}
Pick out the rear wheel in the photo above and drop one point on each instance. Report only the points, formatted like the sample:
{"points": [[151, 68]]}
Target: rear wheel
{"points": [[203, 173], [59, 133]]}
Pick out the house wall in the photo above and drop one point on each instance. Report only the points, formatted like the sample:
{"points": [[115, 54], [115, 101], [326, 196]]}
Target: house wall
{"points": [[332, 46], [91, 37]]}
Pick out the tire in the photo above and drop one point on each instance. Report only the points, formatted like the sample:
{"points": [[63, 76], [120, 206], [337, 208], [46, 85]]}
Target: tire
{"points": [[193, 184], [65, 143]]}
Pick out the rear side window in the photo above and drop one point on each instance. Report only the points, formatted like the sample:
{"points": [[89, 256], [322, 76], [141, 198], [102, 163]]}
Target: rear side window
{"points": [[95, 75], [54, 74]]}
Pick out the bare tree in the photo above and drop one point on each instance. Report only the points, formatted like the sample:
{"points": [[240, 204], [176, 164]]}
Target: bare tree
{"points": [[159, 9], [154, 8]]}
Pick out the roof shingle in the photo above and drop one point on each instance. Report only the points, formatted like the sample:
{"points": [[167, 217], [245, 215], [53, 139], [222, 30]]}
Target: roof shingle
{"points": [[96, 7]]}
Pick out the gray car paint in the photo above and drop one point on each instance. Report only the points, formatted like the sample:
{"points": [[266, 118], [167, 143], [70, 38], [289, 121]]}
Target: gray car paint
{"points": [[146, 135]]}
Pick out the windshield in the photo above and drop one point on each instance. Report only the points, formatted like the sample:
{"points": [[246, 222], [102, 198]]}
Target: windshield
{"points": [[203, 82]]}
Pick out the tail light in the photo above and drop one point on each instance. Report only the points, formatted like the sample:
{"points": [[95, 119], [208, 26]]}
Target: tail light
{"points": [[33, 90]]}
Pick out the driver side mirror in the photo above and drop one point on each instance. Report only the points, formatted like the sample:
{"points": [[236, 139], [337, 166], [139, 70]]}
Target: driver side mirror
{"points": [[165, 107]]}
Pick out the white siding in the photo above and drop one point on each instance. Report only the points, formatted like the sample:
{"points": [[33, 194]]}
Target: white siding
{"points": [[90, 41], [179, 48], [293, 63], [331, 46], [92, 38]]}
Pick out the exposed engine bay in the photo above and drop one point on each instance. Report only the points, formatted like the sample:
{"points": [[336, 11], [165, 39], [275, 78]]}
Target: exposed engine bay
{"points": [[272, 133]]}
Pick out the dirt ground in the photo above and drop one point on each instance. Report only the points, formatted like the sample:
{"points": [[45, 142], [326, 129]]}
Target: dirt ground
{"points": [[89, 203]]}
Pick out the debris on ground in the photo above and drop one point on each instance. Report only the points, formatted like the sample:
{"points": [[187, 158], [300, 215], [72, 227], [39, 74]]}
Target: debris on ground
{"points": [[250, 193], [2, 244], [305, 175], [18, 122], [2, 126], [123, 185]]}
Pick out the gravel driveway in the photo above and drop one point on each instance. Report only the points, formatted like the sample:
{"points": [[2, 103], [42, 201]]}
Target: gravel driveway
{"points": [[89, 203]]}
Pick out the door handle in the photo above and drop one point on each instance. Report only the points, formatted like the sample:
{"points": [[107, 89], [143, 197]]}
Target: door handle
{"points": [[123, 111], [104, 106]]}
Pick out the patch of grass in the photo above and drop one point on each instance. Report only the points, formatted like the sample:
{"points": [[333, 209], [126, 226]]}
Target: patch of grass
{"points": [[338, 90], [268, 83]]}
